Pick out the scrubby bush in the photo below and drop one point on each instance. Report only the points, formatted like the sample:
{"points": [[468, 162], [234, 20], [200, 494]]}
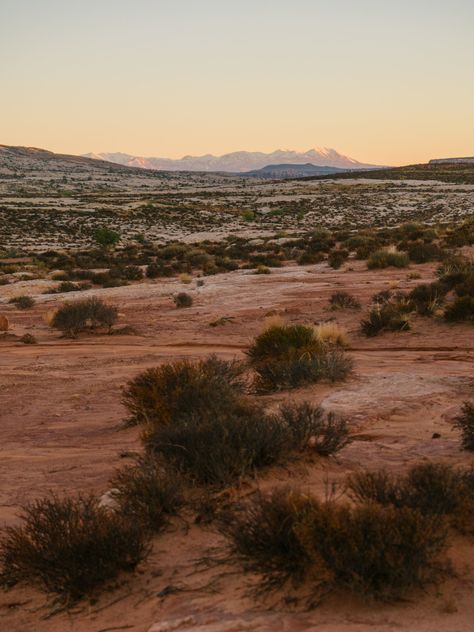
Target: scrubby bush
{"points": [[262, 535], [462, 308], [183, 299], [455, 264], [343, 300], [310, 427], [287, 356], [218, 449], [106, 237], [466, 286], [148, 493], [72, 318], [22, 302], [465, 423], [386, 258], [162, 394], [70, 546], [261, 269], [337, 257], [421, 251], [431, 488], [427, 297], [385, 317], [375, 551], [132, 273]]}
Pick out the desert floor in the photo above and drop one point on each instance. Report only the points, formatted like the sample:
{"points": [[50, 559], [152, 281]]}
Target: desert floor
{"points": [[61, 414]]}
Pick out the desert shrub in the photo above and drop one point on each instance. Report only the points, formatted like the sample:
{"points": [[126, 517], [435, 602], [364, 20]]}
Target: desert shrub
{"points": [[153, 270], [375, 551], [382, 297], [455, 264], [68, 286], [279, 340], [106, 237], [430, 488], [337, 257], [70, 546], [343, 300], [466, 286], [287, 356], [148, 493], [91, 313], [261, 269], [462, 308], [309, 426], [162, 394], [386, 258], [262, 535], [218, 449], [22, 302], [132, 273], [385, 317], [183, 299], [465, 423], [333, 334], [421, 252], [297, 369], [28, 339], [427, 297]]}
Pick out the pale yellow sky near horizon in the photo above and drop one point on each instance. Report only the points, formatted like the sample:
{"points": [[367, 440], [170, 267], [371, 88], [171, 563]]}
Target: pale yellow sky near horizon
{"points": [[385, 83]]}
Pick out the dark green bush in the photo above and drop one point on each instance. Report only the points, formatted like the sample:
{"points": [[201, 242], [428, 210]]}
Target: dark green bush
{"points": [[337, 257], [465, 423], [162, 394], [385, 259], [375, 551], [72, 318], [148, 493], [421, 252], [431, 488], [343, 300], [22, 302], [385, 317], [310, 427], [262, 535], [219, 449], [183, 299], [287, 356], [427, 297], [132, 273], [462, 308], [70, 546]]}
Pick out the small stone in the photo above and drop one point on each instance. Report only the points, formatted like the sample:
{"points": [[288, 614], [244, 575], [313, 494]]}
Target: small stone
{"points": [[108, 500], [436, 435]]}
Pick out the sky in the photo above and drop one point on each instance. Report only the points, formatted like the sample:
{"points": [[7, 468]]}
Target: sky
{"points": [[384, 82]]}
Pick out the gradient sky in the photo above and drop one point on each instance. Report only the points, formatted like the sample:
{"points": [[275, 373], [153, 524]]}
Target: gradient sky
{"points": [[385, 82]]}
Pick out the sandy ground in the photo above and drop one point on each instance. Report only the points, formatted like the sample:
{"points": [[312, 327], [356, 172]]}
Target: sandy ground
{"points": [[60, 414]]}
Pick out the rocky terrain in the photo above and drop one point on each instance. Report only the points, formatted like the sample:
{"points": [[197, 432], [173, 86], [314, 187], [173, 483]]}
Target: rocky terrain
{"points": [[54, 201]]}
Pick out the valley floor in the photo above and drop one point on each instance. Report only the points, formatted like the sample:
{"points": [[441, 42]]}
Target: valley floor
{"points": [[61, 414]]}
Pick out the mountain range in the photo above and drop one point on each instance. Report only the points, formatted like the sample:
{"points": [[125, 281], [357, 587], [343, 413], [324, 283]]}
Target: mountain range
{"points": [[237, 161]]}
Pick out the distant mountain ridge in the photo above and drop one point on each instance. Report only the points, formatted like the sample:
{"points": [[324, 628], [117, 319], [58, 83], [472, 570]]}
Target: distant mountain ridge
{"points": [[292, 171], [237, 161]]}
